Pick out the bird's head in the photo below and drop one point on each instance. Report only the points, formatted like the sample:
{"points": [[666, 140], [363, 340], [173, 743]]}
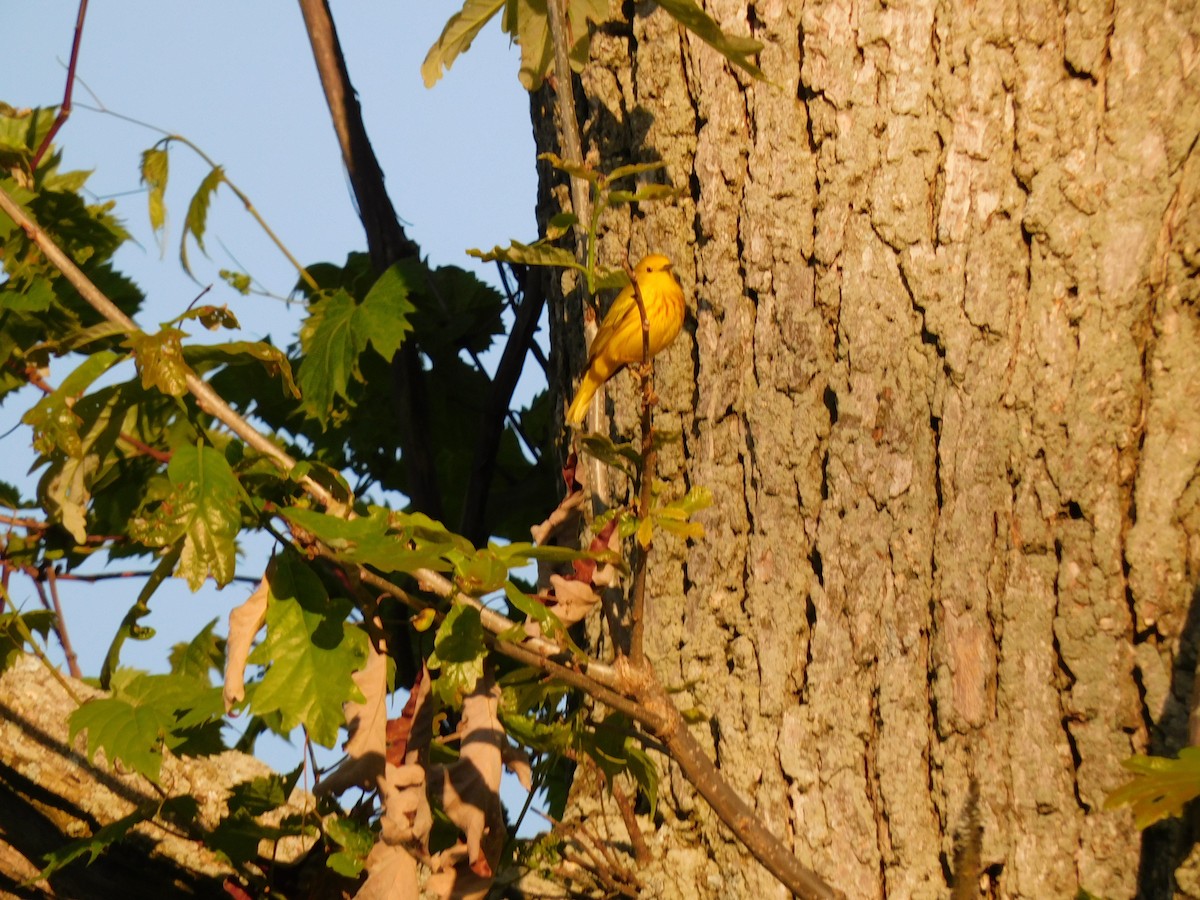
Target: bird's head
{"points": [[652, 263]]}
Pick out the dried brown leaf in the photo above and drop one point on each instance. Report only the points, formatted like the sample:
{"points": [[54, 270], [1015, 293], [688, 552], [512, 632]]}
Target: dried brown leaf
{"points": [[573, 599], [470, 796], [366, 748], [407, 817], [566, 511], [516, 760], [245, 621], [391, 872]]}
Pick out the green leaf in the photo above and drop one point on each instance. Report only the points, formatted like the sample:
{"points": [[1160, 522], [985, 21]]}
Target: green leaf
{"points": [[456, 37], [647, 193], [199, 656], [331, 354], [10, 496], [55, 425], [382, 319], [144, 714], [233, 353], [197, 215], [537, 254], [95, 844], [458, 654], [160, 360], [36, 296], [238, 835], [263, 794], [737, 50], [389, 541], [675, 516], [529, 25], [644, 772], [203, 508], [623, 456], [551, 625], [154, 175], [635, 169], [16, 629], [356, 840], [1162, 786], [478, 573], [311, 651], [584, 171], [239, 281]]}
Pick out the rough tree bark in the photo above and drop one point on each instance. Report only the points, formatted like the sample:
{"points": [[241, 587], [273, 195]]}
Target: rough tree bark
{"points": [[50, 796], [944, 383]]}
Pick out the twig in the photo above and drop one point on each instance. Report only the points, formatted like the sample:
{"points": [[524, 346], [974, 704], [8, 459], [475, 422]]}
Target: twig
{"points": [[637, 607], [640, 851], [568, 121], [64, 111], [60, 625]]}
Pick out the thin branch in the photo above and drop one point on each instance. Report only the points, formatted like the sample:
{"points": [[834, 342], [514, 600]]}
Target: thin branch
{"points": [[60, 625], [625, 807], [64, 111], [637, 608], [491, 427], [568, 120]]}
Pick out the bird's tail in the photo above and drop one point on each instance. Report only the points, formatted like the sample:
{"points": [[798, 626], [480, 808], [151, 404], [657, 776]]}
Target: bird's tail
{"points": [[587, 389]]}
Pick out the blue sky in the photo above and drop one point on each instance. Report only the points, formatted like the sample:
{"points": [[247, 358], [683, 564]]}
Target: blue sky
{"points": [[237, 78]]}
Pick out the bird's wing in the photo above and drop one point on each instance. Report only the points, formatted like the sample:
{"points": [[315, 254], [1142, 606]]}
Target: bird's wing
{"points": [[614, 323]]}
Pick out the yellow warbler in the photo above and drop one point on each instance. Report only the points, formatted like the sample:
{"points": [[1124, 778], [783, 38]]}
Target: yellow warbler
{"points": [[618, 343]]}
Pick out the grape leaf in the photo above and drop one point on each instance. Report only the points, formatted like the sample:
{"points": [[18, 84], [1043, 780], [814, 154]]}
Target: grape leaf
{"points": [[160, 360], [458, 653], [154, 175], [197, 214], [1161, 788], [203, 509], [311, 650], [734, 48], [456, 37], [382, 319]]}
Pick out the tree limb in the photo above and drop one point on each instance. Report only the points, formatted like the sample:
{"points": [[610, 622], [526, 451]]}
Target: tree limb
{"points": [[387, 243], [491, 427]]}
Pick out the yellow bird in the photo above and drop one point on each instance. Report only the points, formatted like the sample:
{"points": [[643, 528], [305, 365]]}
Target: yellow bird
{"points": [[618, 343]]}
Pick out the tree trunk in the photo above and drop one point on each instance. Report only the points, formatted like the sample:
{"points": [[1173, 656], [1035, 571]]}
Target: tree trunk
{"points": [[944, 383]]}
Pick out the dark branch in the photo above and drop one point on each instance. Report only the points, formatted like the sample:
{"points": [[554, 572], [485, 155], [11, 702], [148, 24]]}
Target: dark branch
{"points": [[64, 111], [491, 426], [387, 243]]}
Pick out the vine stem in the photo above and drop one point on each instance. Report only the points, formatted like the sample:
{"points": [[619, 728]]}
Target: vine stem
{"points": [[637, 610], [64, 111]]}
